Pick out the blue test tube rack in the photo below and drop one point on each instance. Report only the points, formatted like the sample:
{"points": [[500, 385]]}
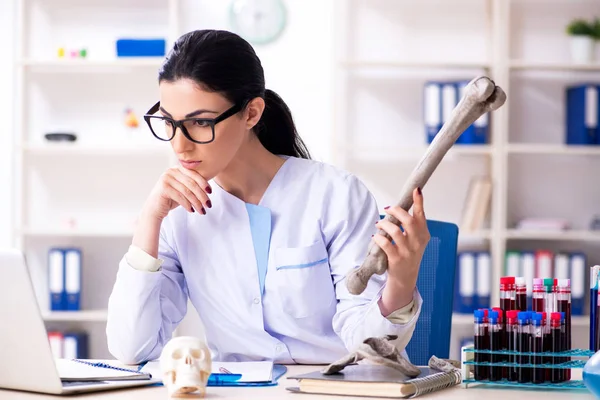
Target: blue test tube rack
{"points": [[468, 361]]}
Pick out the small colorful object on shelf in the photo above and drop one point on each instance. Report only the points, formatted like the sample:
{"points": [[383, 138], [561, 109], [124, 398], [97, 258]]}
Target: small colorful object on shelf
{"points": [[131, 120], [61, 52]]}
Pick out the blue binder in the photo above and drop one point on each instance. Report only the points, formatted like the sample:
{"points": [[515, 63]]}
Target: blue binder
{"points": [[432, 109], [478, 131], [75, 345], [56, 279], [483, 268], [72, 265], [578, 270], [465, 296], [582, 114]]}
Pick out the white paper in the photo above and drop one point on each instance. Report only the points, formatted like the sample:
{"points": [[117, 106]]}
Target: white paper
{"points": [[252, 371]]}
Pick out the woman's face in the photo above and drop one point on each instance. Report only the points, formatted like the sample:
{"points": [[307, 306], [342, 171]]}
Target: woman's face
{"points": [[184, 99]]}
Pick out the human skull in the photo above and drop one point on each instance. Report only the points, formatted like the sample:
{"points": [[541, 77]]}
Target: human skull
{"points": [[185, 363]]}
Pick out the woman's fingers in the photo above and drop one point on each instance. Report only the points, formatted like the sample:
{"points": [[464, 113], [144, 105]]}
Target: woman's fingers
{"points": [[196, 189], [179, 198], [186, 193], [393, 230], [199, 179]]}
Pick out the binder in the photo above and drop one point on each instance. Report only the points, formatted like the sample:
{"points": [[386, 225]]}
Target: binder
{"points": [[578, 271], [72, 279], [528, 272], [56, 343], [449, 100], [465, 300], [512, 263], [477, 132], [543, 264], [56, 279], [75, 345], [582, 114], [432, 109], [561, 266], [484, 272]]}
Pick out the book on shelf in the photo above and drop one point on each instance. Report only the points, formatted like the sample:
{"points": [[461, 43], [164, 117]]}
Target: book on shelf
{"points": [[477, 204]]}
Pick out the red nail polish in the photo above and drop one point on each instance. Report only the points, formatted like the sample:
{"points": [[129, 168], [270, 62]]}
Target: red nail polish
{"points": [[208, 190], [203, 211], [208, 204], [385, 208], [192, 209], [419, 190]]}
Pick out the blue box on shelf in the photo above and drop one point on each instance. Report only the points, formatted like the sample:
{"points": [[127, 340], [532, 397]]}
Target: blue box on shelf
{"points": [[141, 47]]}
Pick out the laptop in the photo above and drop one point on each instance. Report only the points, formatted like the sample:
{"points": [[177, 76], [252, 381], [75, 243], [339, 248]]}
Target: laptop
{"points": [[26, 359]]}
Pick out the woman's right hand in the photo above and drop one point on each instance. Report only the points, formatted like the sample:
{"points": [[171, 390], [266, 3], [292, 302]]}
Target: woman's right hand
{"points": [[178, 186]]}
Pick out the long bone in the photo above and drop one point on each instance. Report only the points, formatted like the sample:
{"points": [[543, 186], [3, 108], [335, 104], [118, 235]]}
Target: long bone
{"points": [[481, 95]]}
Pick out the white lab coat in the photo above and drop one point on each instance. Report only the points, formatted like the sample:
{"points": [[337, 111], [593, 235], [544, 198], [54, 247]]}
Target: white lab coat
{"points": [[267, 280]]}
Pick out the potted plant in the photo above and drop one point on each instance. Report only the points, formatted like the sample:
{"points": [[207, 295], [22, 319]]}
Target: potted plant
{"points": [[583, 37]]}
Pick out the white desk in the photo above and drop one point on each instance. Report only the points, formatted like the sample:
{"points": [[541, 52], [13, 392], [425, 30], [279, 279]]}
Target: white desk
{"points": [[280, 393]]}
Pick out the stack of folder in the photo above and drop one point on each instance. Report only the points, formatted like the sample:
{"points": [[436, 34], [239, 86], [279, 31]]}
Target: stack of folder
{"points": [[472, 282], [64, 279], [440, 99], [71, 344]]}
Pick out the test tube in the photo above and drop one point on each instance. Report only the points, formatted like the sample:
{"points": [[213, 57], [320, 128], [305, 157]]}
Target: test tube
{"points": [[523, 346], [547, 344], [556, 346], [564, 306], [539, 295], [495, 345], [507, 293], [481, 342], [520, 294], [511, 335], [537, 346], [549, 301], [503, 339]]}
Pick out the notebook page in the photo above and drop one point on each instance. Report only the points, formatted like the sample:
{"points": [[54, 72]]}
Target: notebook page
{"points": [[72, 370]]}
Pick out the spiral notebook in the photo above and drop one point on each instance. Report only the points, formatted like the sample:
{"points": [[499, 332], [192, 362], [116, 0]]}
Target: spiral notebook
{"points": [[375, 381], [96, 370]]}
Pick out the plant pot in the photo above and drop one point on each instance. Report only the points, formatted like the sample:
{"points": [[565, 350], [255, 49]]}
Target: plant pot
{"points": [[582, 49]]}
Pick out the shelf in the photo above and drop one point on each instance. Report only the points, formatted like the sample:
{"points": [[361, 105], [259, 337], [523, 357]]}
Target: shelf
{"points": [[582, 235], [77, 232], [551, 66], [553, 149], [91, 315], [392, 153], [65, 149], [413, 64], [467, 236], [68, 65]]}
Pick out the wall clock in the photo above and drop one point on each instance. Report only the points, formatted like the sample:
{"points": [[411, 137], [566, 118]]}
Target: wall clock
{"points": [[258, 21]]}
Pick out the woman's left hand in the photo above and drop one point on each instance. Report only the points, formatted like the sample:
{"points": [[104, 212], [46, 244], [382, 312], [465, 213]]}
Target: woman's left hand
{"points": [[405, 254]]}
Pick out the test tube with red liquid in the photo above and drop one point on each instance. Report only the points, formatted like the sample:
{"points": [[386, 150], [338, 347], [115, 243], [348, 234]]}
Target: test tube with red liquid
{"points": [[555, 337], [511, 336], [495, 333], [538, 374], [481, 341], [539, 295], [507, 293], [564, 306], [520, 294], [523, 346]]}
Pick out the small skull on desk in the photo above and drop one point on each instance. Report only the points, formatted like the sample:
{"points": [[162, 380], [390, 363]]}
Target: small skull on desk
{"points": [[185, 363]]}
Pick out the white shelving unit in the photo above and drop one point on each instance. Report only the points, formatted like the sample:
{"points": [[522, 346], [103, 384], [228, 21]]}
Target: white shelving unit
{"points": [[90, 198], [386, 50]]}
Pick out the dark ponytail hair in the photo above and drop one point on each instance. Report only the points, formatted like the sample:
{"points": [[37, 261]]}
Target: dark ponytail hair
{"points": [[223, 62]]}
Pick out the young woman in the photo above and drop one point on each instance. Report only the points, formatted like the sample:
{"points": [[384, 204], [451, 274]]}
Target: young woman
{"points": [[258, 236]]}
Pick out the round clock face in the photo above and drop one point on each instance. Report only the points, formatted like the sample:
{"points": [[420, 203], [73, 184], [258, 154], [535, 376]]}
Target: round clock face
{"points": [[258, 21]]}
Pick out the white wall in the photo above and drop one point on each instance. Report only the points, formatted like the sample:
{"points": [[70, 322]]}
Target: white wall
{"points": [[6, 133]]}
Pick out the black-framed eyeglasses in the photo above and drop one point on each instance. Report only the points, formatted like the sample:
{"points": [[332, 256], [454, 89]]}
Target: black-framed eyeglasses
{"points": [[197, 130]]}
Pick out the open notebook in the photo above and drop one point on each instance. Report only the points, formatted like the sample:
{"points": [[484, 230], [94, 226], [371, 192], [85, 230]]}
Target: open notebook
{"points": [[95, 370]]}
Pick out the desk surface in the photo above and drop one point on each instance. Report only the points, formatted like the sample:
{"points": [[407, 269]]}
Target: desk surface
{"points": [[279, 392]]}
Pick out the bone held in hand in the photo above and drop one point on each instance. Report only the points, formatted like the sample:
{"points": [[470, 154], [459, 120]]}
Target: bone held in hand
{"points": [[481, 95]]}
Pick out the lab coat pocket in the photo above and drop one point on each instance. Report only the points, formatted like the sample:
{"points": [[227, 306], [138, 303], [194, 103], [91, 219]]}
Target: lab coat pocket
{"points": [[304, 280]]}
